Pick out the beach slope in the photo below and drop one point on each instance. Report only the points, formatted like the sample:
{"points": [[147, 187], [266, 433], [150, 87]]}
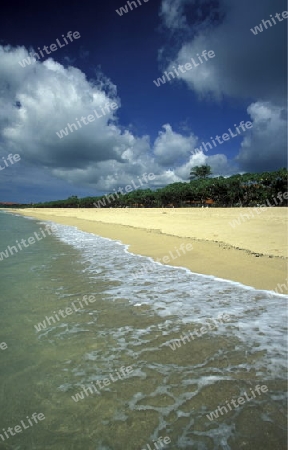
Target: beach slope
{"points": [[238, 244]]}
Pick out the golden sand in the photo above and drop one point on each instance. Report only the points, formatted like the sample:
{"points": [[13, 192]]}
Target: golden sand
{"points": [[254, 252]]}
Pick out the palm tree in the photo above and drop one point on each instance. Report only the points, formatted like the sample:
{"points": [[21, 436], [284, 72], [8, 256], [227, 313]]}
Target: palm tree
{"points": [[200, 172]]}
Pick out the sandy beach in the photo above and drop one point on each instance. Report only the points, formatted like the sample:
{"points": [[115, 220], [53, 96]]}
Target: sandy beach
{"points": [[252, 251]]}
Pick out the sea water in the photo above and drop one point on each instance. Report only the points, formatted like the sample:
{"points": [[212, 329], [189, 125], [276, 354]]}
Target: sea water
{"points": [[138, 319]]}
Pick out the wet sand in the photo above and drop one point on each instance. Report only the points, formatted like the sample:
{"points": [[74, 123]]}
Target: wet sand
{"points": [[252, 252]]}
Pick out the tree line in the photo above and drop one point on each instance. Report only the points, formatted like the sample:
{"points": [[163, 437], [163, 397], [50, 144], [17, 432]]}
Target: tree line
{"points": [[249, 189]]}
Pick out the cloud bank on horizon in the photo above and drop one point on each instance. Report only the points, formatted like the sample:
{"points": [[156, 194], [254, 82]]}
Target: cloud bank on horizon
{"points": [[38, 100]]}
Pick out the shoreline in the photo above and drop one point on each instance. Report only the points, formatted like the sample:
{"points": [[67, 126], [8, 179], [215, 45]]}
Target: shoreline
{"points": [[219, 258]]}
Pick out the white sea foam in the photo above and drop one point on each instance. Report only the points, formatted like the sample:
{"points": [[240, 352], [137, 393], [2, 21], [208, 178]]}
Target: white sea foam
{"points": [[255, 314], [256, 331]]}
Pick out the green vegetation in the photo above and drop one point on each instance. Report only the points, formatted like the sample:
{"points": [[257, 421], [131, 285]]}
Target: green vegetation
{"points": [[245, 190], [200, 172]]}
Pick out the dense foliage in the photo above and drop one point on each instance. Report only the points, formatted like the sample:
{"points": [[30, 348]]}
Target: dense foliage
{"points": [[249, 189], [200, 172]]}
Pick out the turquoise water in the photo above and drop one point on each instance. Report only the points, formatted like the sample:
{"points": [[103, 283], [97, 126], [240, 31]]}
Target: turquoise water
{"points": [[132, 322]]}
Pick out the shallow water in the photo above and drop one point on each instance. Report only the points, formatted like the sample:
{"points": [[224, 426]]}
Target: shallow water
{"points": [[136, 319]]}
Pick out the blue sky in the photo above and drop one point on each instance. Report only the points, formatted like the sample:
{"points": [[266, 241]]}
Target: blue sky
{"points": [[155, 129]]}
